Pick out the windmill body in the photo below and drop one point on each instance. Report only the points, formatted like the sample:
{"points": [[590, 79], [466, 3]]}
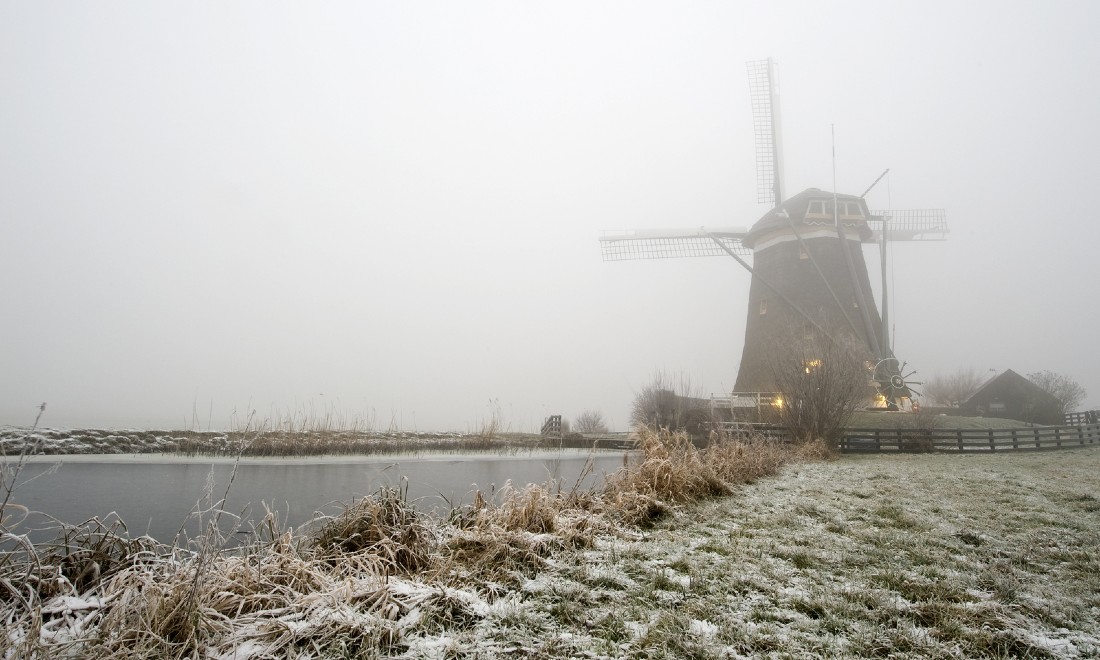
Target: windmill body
{"points": [[799, 265]]}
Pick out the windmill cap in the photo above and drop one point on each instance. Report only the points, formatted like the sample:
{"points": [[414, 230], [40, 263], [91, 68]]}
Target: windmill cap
{"points": [[797, 210]]}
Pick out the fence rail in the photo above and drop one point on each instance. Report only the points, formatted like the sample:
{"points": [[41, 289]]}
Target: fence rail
{"points": [[945, 440], [970, 440], [1084, 417]]}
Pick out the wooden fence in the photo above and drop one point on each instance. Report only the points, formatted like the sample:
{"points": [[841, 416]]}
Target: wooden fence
{"points": [[551, 428], [970, 440], [1084, 417]]}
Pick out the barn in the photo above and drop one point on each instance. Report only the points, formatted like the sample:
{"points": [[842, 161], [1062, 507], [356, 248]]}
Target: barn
{"points": [[1011, 396]]}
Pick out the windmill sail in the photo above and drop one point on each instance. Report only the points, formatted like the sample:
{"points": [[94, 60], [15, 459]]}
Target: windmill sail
{"points": [[671, 243], [764, 94], [909, 225]]}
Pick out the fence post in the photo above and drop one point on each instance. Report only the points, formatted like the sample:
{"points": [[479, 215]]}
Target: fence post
{"points": [[1058, 436], [899, 442], [1015, 441], [1038, 444], [878, 441], [992, 445], [1081, 435], [959, 437]]}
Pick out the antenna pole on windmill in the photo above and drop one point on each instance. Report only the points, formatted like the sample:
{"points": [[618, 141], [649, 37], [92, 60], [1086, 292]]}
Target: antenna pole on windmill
{"points": [[836, 212]]}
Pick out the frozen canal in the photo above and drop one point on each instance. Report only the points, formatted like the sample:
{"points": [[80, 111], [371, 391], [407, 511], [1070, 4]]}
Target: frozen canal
{"points": [[159, 494]]}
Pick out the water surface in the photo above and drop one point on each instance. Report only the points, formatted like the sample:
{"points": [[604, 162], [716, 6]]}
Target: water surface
{"points": [[160, 495]]}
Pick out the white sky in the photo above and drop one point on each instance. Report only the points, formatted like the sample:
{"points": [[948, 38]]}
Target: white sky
{"points": [[392, 209]]}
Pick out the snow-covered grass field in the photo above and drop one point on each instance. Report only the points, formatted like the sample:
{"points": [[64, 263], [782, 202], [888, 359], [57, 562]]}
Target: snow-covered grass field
{"points": [[918, 556], [689, 555]]}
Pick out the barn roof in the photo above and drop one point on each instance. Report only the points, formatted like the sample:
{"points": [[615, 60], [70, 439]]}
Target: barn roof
{"points": [[1009, 380]]}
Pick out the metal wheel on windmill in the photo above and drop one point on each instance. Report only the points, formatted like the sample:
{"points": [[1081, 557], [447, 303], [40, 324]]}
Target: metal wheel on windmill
{"points": [[809, 279]]}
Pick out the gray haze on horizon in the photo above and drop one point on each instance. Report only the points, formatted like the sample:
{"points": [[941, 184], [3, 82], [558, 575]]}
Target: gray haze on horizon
{"points": [[392, 209]]}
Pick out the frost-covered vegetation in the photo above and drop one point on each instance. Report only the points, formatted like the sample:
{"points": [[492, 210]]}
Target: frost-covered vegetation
{"points": [[265, 442], [687, 554]]}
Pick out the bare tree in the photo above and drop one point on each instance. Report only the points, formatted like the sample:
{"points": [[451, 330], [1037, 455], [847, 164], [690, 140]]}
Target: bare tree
{"points": [[590, 421], [666, 402], [952, 389], [821, 385], [1069, 392]]}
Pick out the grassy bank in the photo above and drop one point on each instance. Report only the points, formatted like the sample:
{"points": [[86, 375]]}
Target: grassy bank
{"points": [[688, 554]]}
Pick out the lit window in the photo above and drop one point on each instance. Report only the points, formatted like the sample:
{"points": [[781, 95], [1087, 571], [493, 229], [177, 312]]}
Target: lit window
{"points": [[802, 254], [763, 306]]}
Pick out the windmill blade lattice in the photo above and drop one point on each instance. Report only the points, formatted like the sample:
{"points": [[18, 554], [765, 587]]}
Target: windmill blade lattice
{"points": [[671, 244], [909, 224]]}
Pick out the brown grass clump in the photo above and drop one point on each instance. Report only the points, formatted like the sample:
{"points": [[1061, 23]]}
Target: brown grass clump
{"points": [[509, 536], [386, 527], [815, 450], [675, 471]]}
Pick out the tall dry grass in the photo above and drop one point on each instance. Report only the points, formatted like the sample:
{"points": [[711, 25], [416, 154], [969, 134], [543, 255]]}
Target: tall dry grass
{"points": [[351, 585]]}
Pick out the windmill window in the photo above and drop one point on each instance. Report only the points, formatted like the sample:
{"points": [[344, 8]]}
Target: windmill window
{"points": [[852, 210], [802, 254], [824, 209], [817, 209], [763, 306]]}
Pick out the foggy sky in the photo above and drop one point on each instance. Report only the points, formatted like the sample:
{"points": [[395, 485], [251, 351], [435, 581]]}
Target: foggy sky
{"points": [[392, 209]]}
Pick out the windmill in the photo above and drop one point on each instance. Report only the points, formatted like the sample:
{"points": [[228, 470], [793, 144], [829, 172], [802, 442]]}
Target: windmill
{"points": [[809, 278]]}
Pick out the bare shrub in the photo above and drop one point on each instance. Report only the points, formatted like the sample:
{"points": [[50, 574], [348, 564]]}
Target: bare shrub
{"points": [[1068, 391], [590, 421], [954, 388], [821, 385]]}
